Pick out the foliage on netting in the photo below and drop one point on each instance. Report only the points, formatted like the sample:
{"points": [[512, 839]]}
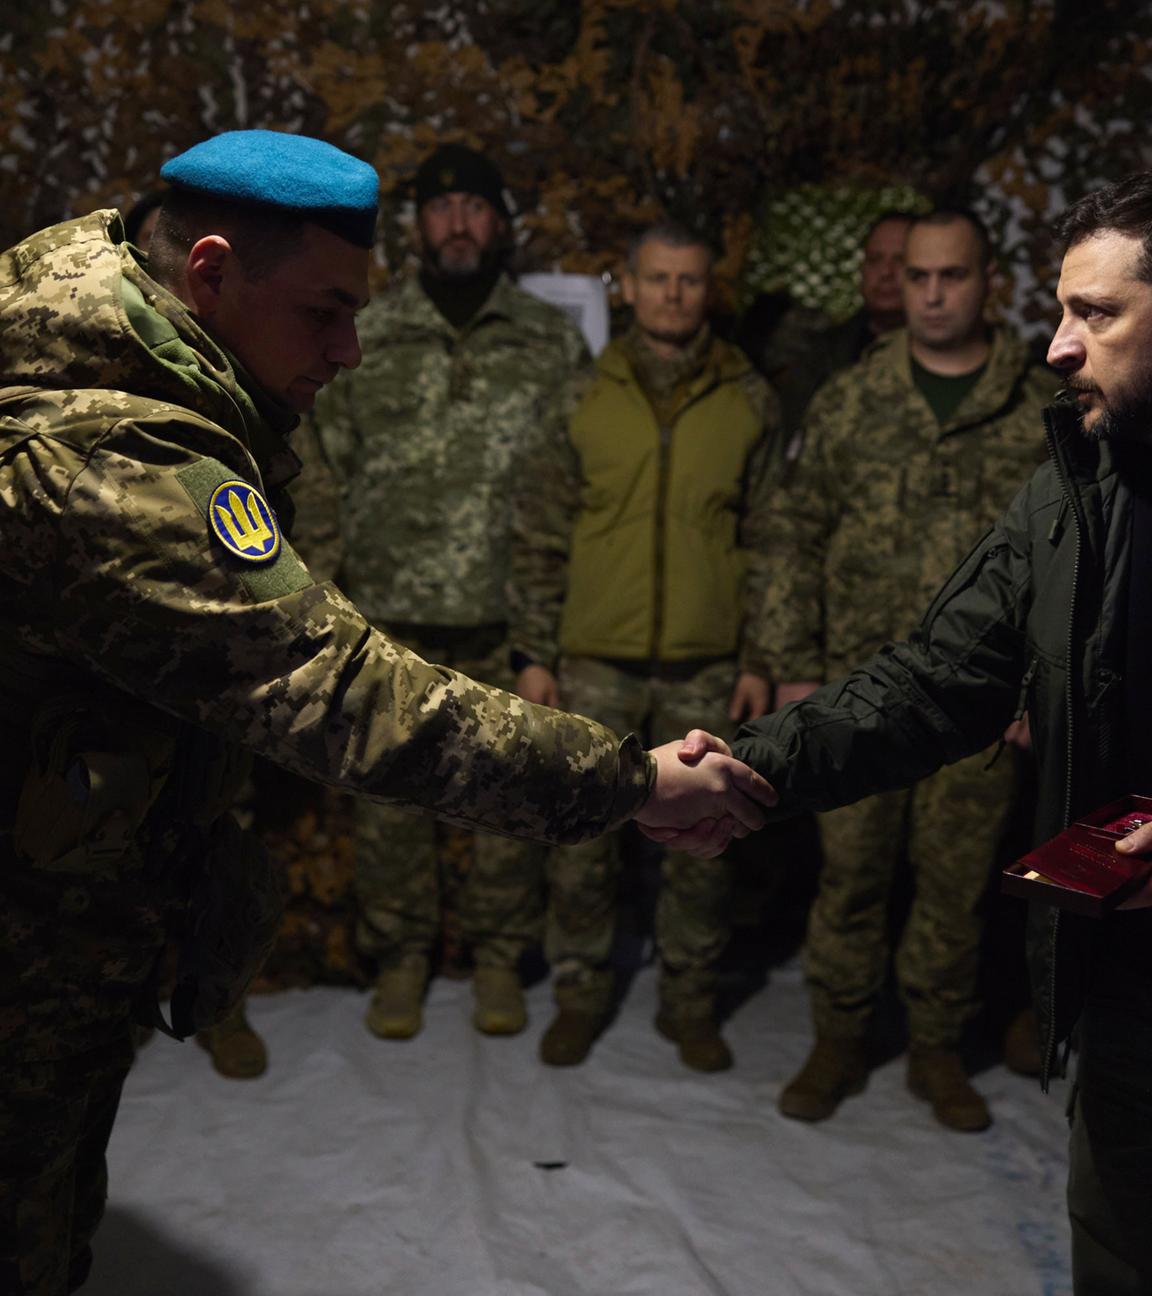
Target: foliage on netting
{"points": [[605, 114], [808, 241]]}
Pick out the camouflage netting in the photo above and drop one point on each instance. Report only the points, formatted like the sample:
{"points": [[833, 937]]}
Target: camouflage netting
{"points": [[808, 242], [604, 114]]}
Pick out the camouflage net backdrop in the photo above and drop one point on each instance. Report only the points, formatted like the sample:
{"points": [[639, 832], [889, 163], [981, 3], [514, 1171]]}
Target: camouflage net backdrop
{"points": [[776, 127]]}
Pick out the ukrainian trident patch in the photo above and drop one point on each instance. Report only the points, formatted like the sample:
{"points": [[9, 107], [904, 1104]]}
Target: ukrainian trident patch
{"points": [[243, 522]]}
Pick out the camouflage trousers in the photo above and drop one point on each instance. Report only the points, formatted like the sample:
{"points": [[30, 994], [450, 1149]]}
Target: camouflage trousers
{"points": [[948, 827], [692, 924], [55, 1121], [400, 876]]}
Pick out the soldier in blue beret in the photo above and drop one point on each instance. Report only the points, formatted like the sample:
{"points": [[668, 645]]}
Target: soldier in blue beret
{"points": [[155, 624]]}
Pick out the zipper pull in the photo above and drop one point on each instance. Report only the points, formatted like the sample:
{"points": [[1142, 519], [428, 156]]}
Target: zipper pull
{"points": [[1021, 708], [1056, 530]]}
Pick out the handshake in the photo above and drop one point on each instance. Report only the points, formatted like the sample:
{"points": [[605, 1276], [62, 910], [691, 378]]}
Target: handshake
{"points": [[703, 796]]}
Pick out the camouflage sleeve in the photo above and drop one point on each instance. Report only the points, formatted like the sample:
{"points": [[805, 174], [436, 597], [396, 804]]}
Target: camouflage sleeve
{"points": [[316, 533], [543, 512], [787, 633], [761, 475], [143, 593]]}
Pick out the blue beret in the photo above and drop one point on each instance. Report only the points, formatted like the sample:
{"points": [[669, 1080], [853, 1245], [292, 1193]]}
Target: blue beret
{"points": [[292, 172]]}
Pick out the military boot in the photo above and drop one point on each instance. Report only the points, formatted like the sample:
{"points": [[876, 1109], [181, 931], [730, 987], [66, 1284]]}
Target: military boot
{"points": [[570, 1036], [696, 1036], [499, 1001], [1022, 1044], [397, 1007], [938, 1077], [237, 1051], [835, 1069]]}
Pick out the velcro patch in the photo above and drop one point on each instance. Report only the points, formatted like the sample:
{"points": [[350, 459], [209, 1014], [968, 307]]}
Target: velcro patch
{"points": [[269, 568]]}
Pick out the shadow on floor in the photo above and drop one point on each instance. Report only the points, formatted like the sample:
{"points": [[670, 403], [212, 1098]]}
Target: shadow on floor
{"points": [[136, 1257]]}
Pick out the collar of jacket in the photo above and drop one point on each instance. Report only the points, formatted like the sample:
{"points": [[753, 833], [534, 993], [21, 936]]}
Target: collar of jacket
{"points": [[1084, 465], [204, 375], [413, 305], [721, 363], [1005, 369]]}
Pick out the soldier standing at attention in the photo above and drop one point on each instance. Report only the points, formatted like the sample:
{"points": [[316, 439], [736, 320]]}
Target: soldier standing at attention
{"points": [[154, 622], [460, 367], [908, 456], [638, 556]]}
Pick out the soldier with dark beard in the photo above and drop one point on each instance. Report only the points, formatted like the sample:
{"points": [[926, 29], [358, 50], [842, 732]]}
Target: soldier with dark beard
{"points": [[460, 367], [1049, 611]]}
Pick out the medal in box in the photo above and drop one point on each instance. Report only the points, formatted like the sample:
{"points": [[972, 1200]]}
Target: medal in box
{"points": [[1080, 868]]}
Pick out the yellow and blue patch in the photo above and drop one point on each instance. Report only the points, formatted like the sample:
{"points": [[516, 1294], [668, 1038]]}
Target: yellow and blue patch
{"points": [[243, 522]]}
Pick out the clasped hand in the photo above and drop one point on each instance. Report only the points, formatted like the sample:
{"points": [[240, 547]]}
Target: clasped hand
{"points": [[703, 796]]}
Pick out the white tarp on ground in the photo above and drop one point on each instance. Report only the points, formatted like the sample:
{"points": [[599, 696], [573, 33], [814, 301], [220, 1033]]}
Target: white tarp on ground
{"points": [[455, 1165]]}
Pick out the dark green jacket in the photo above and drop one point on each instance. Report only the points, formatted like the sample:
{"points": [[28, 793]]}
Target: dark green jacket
{"points": [[1033, 616]]}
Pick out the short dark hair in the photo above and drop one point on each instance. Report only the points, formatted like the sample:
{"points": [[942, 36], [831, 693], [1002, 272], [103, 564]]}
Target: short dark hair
{"points": [[946, 215], [891, 214], [140, 210], [1124, 207], [672, 234], [260, 235]]}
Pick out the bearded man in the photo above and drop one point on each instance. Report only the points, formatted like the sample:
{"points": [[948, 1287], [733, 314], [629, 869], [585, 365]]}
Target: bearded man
{"points": [[1050, 612], [459, 368]]}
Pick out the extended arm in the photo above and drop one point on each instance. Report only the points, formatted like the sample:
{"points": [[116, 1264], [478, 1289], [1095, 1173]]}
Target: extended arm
{"points": [[945, 694]]}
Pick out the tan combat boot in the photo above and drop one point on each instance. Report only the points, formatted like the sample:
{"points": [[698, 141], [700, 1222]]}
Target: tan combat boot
{"points": [[570, 1036], [938, 1076], [397, 1007], [237, 1051], [1022, 1044], [499, 1001], [836, 1069], [697, 1037]]}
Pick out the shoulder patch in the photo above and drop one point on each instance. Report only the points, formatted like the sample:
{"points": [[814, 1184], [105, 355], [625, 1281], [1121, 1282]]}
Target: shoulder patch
{"points": [[243, 521]]}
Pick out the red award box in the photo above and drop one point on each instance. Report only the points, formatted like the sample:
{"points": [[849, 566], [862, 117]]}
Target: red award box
{"points": [[1080, 869]]}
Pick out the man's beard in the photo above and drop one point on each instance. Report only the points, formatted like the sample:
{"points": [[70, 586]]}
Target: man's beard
{"points": [[672, 337], [1127, 419], [460, 264]]}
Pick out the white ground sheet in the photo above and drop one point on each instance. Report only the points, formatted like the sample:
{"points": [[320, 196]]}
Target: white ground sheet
{"points": [[456, 1165]]}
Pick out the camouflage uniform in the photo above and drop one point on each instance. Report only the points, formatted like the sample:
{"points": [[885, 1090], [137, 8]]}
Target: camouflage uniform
{"points": [[137, 645], [884, 504], [425, 440], [638, 545]]}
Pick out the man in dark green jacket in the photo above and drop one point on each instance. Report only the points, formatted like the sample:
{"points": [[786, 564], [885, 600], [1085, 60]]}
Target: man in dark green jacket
{"points": [[1049, 613]]}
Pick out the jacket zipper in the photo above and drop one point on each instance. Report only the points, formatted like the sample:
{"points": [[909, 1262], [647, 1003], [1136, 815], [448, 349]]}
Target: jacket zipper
{"points": [[658, 541], [1069, 703]]}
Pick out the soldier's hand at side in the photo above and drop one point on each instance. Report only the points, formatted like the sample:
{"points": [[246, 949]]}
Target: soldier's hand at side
{"points": [[536, 683], [750, 697], [710, 786], [1138, 842], [794, 691]]}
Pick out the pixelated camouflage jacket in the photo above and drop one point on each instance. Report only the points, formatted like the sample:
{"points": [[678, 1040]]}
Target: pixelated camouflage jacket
{"points": [[119, 418], [426, 438], [884, 502], [636, 541]]}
